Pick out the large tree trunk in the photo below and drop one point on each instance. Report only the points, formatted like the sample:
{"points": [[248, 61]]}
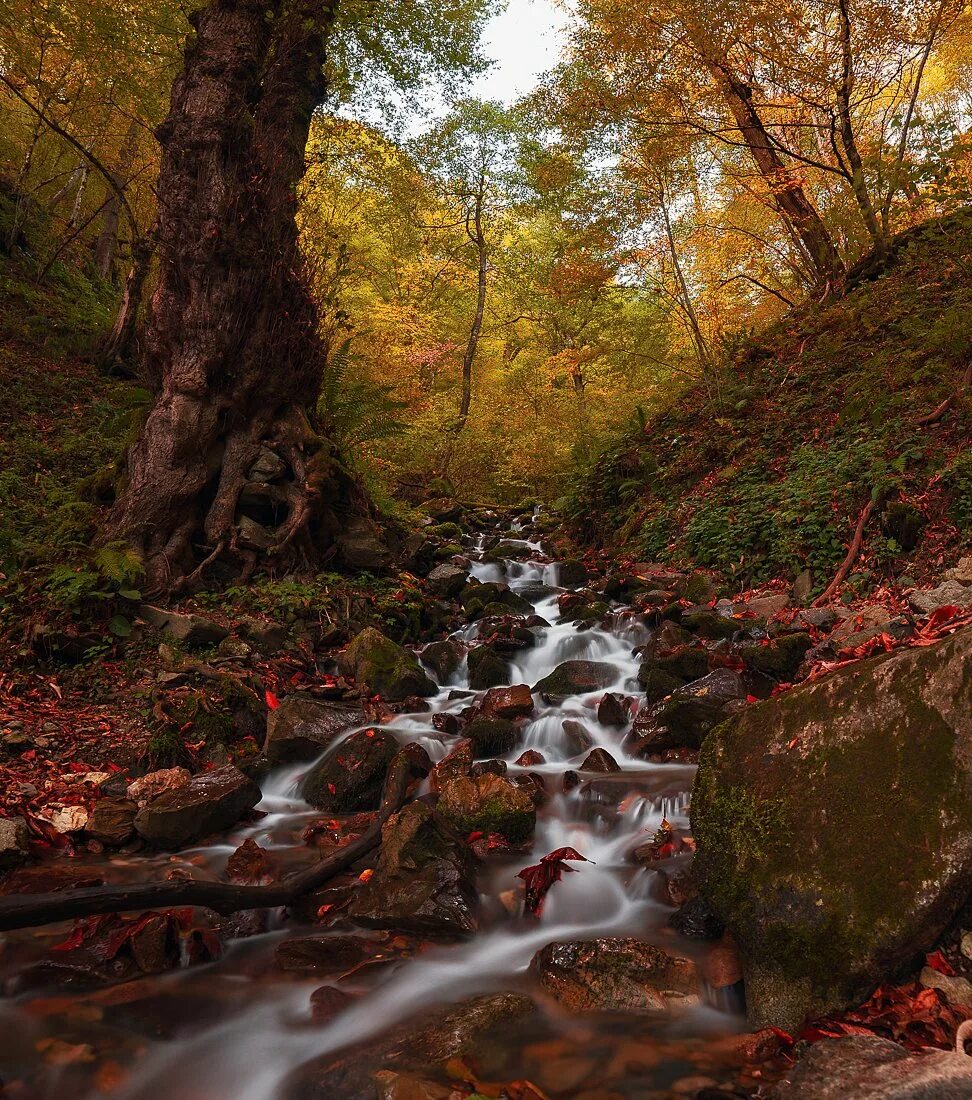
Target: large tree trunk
{"points": [[231, 342]]}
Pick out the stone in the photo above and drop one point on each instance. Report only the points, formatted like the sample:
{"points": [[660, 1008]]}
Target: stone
{"points": [[801, 590], [722, 967], [492, 736], [209, 803], [957, 989], [191, 630], [696, 920], [867, 1067], [709, 624], [424, 880], [302, 727], [577, 737], [613, 710], [351, 777], [254, 535], [615, 974], [681, 665], [361, 546], [13, 842], [691, 711], [778, 658], [961, 571], [234, 648], [765, 607], [834, 827], [322, 954], [486, 668], [658, 685], [488, 767], [384, 667], [157, 783], [666, 639], [447, 580], [487, 804], [444, 657], [925, 601], [571, 573], [267, 636], [268, 466], [530, 758], [577, 678], [393, 1085], [507, 702], [112, 821], [492, 598], [458, 762], [600, 760]]}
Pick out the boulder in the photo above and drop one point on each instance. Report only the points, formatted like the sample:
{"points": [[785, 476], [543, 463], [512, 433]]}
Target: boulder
{"points": [[486, 668], [508, 702], [192, 630], [492, 736], [577, 678], [615, 974], [443, 657], [571, 573], [361, 546], [926, 601], [447, 580], [151, 786], [600, 760], [778, 658], [709, 624], [577, 737], [961, 571], [459, 762], [834, 826], [384, 667], [13, 842], [867, 1067], [658, 685], [492, 598], [210, 802], [487, 804], [613, 710], [689, 713], [350, 778], [424, 880], [268, 637], [112, 821], [323, 954], [302, 727], [683, 665]]}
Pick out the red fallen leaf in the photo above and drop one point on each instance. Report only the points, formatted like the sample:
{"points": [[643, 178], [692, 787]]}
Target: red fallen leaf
{"points": [[784, 1036], [541, 876], [482, 844], [937, 961], [366, 874], [272, 701]]}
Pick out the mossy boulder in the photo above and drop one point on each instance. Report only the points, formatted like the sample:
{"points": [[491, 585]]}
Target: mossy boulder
{"points": [[486, 667], [709, 624], [351, 777], [577, 678], [443, 657], [834, 827], [488, 804], [302, 727], [684, 665], [384, 667], [778, 658], [492, 598]]}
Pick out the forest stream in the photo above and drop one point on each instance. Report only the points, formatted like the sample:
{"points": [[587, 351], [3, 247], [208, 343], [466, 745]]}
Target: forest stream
{"points": [[250, 1025]]}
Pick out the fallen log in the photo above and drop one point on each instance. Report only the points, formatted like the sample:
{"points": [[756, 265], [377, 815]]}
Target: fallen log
{"points": [[31, 910]]}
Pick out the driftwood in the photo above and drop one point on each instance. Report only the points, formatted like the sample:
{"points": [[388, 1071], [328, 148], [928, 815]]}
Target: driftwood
{"points": [[30, 910]]}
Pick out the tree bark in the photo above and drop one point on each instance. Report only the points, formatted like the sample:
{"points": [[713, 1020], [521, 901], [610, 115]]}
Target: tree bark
{"points": [[107, 243], [231, 342], [479, 240]]}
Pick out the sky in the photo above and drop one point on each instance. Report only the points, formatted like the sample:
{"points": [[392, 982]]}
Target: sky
{"points": [[524, 40]]}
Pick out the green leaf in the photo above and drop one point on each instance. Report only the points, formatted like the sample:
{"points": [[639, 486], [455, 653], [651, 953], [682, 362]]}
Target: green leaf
{"points": [[120, 626], [129, 594]]}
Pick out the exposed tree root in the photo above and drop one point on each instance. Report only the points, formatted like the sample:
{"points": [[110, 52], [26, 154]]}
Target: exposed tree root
{"points": [[847, 563], [30, 910], [937, 413]]}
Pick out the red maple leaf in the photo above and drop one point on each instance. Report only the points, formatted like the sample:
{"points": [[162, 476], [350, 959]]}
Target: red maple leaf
{"points": [[540, 877]]}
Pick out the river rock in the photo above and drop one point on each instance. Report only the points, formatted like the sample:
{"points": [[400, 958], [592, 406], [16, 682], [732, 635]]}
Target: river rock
{"points": [[384, 667], [486, 668], [571, 573], [615, 974], [13, 842], [492, 736], [447, 580], [322, 954], [682, 665], [778, 658], [112, 821], [443, 657], [425, 878], [613, 710], [491, 598], [457, 763], [351, 777], [867, 1067], [487, 804], [508, 702], [577, 678], [154, 784], [926, 601], [689, 713], [834, 826], [709, 624], [191, 630], [302, 727], [210, 802], [577, 737], [600, 760]]}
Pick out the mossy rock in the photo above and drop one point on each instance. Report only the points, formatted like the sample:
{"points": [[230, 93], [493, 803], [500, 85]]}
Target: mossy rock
{"points": [[492, 737], [684, 665], [488, 804], [351, 777], [487, 668], [834, 827], [779, 658], [709, 624], [658, 685], [384, 667], [577, 678]]}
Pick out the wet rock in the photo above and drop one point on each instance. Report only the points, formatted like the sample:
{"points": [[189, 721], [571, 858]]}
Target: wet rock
{"points": [[191, 630], [530, 759], [361, 546], [460, 1030], [492, 736], [577, 678], [487, 804], [778, 658], [391, 1085], [666, 639], [613, 710], [302, 727], [208, 803], [151, 786], [13, 842], [425, 878], [457, 763], [948, 592], [112, 821], [322, 954], [867, 1067], [443, 657], [570, 781], [709, 624], [696, 920], [447, 580], [351, 777], [384, 667], [879, 751], [600, 760], [571, 573], [690, 712], [491, 598], [328, 1002], [577, 737], [488, 767], [658, 685], [486, 668], [615, 974], [446, 722], [510, 633], [508, 702]]}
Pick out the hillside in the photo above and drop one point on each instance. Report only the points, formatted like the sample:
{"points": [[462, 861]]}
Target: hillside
{"points": [[763, 472]]}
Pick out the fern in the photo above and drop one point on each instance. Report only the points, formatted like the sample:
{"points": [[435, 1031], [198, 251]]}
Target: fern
{"points": [[357, 410]]}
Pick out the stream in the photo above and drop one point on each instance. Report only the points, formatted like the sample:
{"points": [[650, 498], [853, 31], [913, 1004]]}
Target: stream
{"points": [[240, 1029]]}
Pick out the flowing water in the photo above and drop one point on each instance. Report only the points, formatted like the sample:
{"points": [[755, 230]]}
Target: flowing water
{"points": [[238, 1028]]}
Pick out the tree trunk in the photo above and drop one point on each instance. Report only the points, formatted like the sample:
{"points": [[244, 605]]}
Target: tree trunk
{"points": [[107, 243], [788, 195], [116, 353], [479, 240], [231, 342]]}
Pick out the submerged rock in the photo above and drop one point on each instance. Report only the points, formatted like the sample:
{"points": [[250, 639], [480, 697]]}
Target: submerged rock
{"points": [[350, 778], [425, 878], [487, 804], [208, 803], [617, 974], [384, 667], [834, 827], [302, 727]]}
